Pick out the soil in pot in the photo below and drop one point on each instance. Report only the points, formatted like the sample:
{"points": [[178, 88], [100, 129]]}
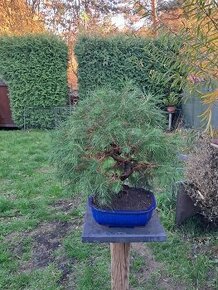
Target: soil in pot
{"points": [[130, 199]]}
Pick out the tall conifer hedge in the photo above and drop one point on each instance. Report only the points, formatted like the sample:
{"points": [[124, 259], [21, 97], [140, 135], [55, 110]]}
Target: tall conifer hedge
{"points": [[152, 64], [34, 68]]}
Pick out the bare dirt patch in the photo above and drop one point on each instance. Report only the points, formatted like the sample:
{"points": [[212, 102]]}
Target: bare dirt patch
{"points": [[152, 266], [44, 243], [66, 205], [46, 240]]}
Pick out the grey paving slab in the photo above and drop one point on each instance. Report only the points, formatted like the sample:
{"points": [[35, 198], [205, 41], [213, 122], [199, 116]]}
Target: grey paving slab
{"points": [[95, 233]]}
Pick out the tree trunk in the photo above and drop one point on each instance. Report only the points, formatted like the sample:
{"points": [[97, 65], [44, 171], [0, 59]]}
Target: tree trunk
{"points": [[154, 14]]}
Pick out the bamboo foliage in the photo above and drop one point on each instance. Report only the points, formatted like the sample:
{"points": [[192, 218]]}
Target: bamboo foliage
{"points": [[202, 47], [202, 30]]}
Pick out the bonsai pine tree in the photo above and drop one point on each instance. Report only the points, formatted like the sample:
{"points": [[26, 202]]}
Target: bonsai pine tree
{"points": [[115, 139]]}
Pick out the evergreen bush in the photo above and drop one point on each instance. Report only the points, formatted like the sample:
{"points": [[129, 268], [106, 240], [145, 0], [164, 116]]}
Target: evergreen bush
{"points": [[114, 138], [34, 68], [151, 64]]}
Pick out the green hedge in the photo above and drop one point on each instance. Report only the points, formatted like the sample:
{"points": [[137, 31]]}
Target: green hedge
{"points": [[35, 70], [152, 64]]}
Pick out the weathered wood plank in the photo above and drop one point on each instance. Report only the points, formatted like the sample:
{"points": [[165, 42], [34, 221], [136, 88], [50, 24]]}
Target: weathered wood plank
{"points": [[120, 266]]}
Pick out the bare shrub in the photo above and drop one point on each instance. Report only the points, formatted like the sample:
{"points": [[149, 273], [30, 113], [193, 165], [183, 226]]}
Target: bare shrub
{"points": [[202, 173]]}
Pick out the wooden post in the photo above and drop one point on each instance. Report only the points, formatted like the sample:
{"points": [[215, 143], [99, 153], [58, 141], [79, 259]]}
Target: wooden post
{"points": [[170, 121], [120, 266]]}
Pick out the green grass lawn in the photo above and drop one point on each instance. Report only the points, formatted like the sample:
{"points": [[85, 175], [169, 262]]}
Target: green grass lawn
{"points": [[40, 230]]}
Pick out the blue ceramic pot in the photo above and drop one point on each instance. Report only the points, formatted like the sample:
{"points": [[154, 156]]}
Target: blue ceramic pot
{"points": [[122, 218]]}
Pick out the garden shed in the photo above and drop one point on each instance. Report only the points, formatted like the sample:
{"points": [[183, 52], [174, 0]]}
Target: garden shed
{"points": [[193, 107], [6, 120]]}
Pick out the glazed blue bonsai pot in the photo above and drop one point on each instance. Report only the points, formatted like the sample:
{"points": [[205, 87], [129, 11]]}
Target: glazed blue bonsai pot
{"points": [[122, 218]]}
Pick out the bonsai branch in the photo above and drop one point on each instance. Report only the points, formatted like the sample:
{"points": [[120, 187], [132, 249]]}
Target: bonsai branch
{"points": [[126, 174], [125, 163], [130, 168], [118, 158], [141, 166]]}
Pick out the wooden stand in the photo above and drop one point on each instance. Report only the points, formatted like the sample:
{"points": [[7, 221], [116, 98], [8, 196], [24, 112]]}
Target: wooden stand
{"points": [[120, 266], [170, 121], [214, 145], [120, 240]]}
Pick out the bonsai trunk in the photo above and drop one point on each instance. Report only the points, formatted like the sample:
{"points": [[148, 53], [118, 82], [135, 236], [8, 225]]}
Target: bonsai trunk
{"points": [[127, 164]]}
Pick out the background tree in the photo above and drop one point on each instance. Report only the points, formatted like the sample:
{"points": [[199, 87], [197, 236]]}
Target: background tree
{"points": [[152, 11], [17, 18], [67, 18]]}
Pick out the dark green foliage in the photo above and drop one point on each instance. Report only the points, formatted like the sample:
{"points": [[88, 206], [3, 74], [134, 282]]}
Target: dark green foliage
{"points": [[111, 134], [34, 68], [152, 64]]}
